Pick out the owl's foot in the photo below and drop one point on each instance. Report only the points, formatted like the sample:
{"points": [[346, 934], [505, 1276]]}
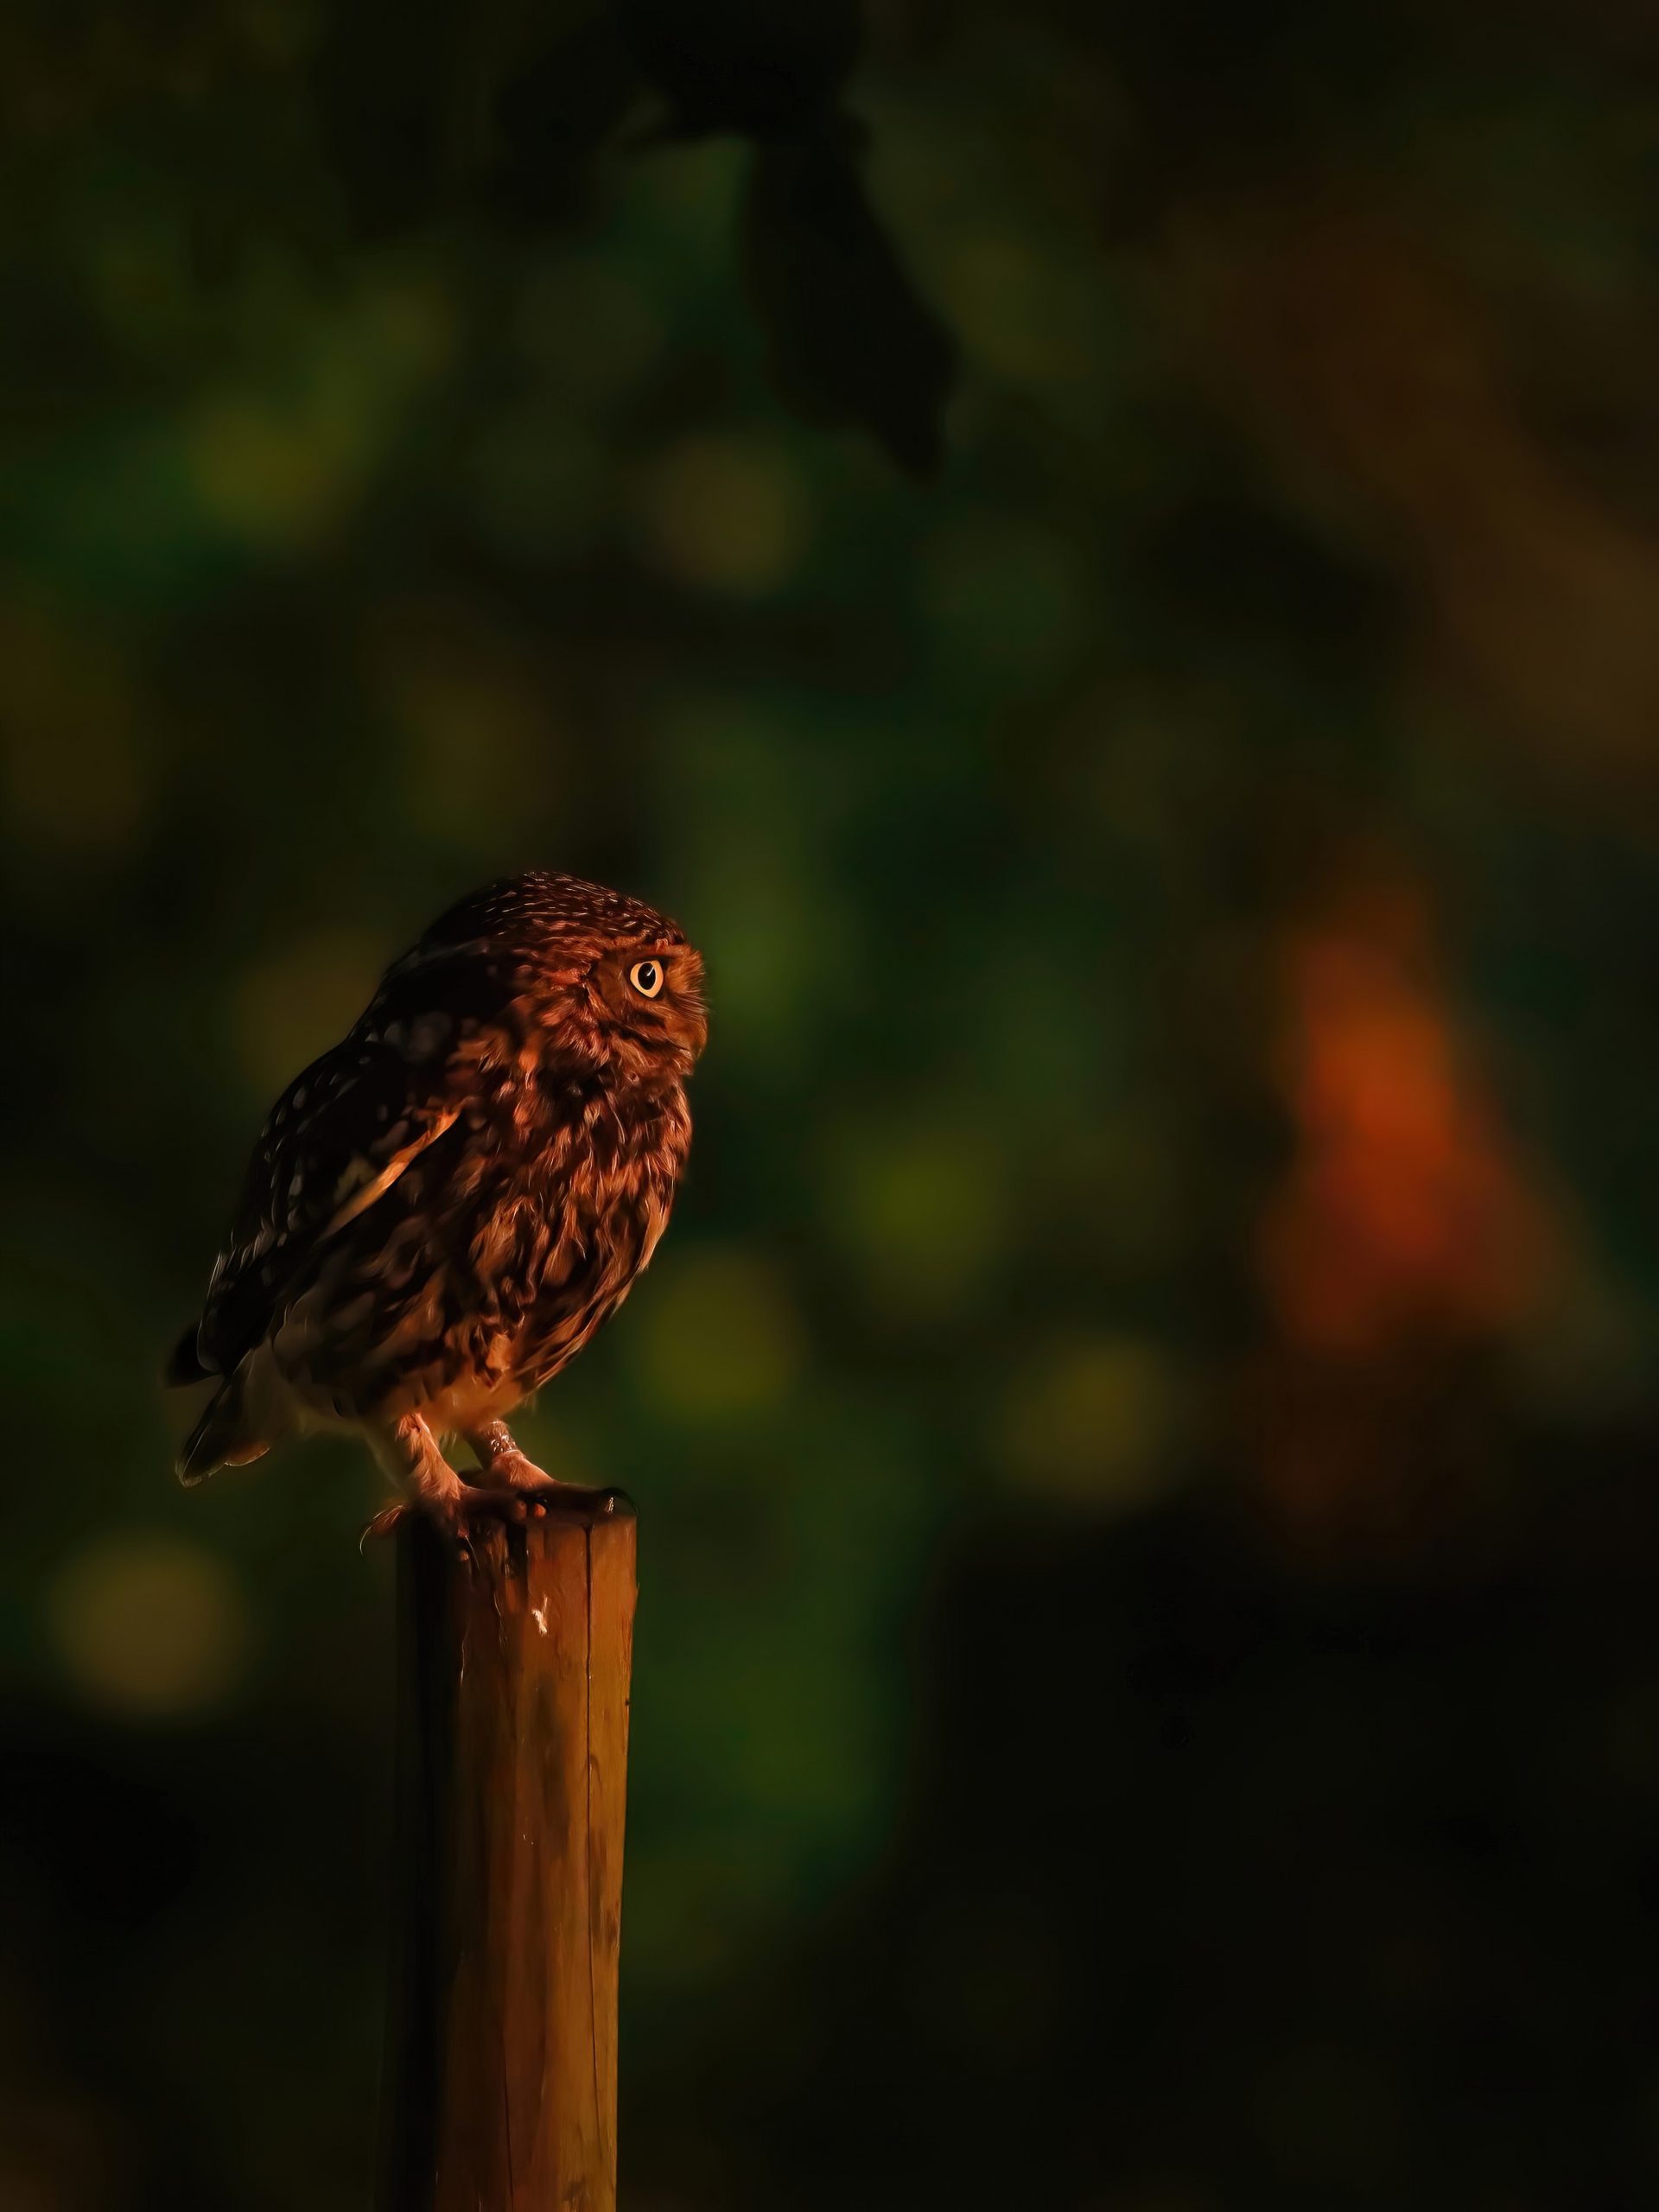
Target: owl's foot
{"points": [[504, 1467], [521, 1478], [511, 1490], [453, 1512]]}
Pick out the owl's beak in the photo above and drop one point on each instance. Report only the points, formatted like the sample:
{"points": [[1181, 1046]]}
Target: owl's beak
{"points": [[696, 1025], [693, 1009]]}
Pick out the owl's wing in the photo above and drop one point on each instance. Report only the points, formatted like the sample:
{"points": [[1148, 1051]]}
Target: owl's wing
{"points": [[335, 1142], [346, 1129]]}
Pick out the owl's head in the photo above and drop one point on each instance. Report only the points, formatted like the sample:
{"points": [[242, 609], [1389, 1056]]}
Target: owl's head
{"points": [[638, 1002], [605, 979]]}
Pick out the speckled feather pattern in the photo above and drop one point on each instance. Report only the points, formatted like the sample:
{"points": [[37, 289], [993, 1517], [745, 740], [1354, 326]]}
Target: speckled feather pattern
{"points": [[442, 1210]]}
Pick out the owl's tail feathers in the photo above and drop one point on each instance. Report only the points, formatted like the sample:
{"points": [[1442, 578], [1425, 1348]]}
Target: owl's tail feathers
{"points": [[221, 1437]]}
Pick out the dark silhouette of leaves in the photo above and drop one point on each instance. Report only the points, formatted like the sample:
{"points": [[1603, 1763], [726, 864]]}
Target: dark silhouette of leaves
{"points": [[852, 342], [553, 115], [749, 66], [426, 110]]}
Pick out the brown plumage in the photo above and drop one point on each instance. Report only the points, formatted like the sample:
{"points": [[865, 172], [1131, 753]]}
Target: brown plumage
{"points": [[443, 1210]]}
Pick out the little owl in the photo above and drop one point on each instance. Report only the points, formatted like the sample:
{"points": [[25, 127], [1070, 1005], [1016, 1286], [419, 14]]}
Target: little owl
{"points": [[443, 1209]]}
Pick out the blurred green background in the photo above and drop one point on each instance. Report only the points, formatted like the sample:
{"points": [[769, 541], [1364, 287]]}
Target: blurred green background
{"points": [[1105, 562]]}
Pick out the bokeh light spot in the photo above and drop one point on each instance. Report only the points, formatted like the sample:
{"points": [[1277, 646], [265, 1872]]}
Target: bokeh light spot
{"points": [[265, 475], [923, 1213], [1095, 1421], [1024, 314], [148, 1625], [719, 1336], [727, 514]]}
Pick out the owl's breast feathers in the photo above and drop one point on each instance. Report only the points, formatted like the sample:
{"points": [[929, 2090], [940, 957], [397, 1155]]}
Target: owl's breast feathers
{"points": [[439, 1212]]}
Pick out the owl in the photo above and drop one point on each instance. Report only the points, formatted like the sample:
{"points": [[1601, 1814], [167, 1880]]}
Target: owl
{"points": [[443, 1209]]}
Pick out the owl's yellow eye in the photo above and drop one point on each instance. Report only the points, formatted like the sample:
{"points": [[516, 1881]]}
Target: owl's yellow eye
{"points": [[646, 976]]}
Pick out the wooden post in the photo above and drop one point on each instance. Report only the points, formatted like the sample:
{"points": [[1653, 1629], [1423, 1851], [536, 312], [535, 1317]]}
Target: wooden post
{"points": [[512, 1745]]}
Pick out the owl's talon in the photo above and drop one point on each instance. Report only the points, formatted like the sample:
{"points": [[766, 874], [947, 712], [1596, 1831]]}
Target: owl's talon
{"points": [[470, 1501], [525, 1478], [384, 1523], [453, 1512]]}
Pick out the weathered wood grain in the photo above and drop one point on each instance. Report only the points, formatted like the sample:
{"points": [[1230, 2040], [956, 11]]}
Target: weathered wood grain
{"points": [[513, 1741]]}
